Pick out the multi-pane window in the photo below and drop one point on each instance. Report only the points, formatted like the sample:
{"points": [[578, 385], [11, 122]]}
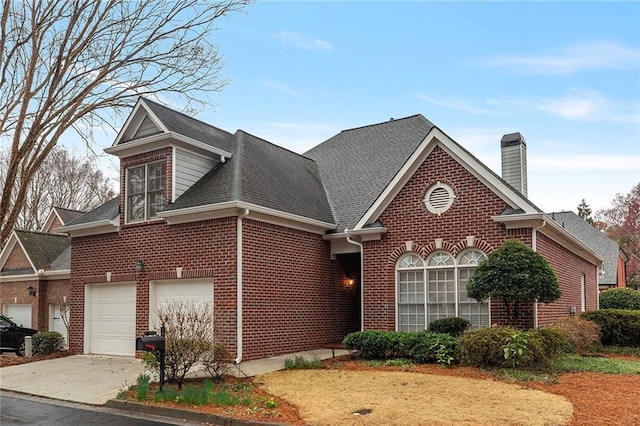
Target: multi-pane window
{"points": [[445, 280], [145, 191]]}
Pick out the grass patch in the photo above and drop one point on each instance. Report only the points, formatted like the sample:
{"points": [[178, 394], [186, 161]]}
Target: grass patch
{"points": [[394, 362], [524, 375], [615, 350], [142, 387], [302, 363], [571, 363]]}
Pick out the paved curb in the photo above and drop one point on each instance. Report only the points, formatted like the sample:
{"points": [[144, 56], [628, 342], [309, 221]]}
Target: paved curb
{"points": [[192, 416]]}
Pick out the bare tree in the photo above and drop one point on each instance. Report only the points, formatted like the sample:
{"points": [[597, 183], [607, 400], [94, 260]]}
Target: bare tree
{"points": [[75, 64], [63, 180]]}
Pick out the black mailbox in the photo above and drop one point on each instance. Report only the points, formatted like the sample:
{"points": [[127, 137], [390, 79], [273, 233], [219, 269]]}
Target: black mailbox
{"points": [[150, 343]]}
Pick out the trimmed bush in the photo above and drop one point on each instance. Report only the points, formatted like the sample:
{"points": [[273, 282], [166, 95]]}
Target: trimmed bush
{"points": [[578, 332], [47, 342], [508, 347], [453, 326], [618, 327], [484, 347], [620, 298], [421, 347]]}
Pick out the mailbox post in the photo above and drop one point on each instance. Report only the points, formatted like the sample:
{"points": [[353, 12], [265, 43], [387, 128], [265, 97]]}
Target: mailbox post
{"points": [[151, 342]]}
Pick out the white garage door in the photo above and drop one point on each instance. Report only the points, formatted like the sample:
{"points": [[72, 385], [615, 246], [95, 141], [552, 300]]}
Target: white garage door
{"points": [[20, 314], [161, 293], [111, 318]]}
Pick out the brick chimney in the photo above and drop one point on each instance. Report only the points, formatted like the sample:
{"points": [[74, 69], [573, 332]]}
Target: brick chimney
{"points": [[514, 161]]}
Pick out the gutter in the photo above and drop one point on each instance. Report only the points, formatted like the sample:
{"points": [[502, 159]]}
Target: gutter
{"points": [[350, 241], [534, 247], [241, 216]]}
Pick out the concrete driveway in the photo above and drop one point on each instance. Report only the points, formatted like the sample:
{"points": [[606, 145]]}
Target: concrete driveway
{"points": [[88, 379]]}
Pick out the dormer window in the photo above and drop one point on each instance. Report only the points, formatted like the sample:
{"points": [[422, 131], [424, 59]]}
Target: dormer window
{"points": [[146, 186]]}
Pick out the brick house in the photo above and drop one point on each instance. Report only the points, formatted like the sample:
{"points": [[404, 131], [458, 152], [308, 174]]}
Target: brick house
{"points": [[34, 274], [377, 228]]}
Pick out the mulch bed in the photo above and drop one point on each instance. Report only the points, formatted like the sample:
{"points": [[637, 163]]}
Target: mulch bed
{"points": [[597, 398]]}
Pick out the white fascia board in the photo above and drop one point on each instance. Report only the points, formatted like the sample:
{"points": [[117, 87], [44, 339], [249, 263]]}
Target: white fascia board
{"points": [[470, 163], [21, 277], [140, 110], [263, 214], [8, 248], [105, 226], [53, 214], [56, 275], [549, 227], [163, 140]]}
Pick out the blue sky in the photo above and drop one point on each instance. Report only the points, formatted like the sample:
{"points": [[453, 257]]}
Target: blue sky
{"points": [[566, 75]]}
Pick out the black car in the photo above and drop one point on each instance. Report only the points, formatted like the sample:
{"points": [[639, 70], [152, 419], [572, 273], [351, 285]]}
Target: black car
{"points": [[12, 336]]}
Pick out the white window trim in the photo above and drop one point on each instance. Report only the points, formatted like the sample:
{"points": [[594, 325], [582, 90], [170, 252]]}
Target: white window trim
{"points": [[425, 268], [146, 193]]}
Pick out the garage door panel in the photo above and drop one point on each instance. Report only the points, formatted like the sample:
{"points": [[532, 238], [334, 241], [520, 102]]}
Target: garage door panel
{"points": [[112, 319], [19, 313], [164, 293]]}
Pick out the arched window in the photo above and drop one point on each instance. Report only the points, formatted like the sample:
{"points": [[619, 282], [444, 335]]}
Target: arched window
{"points": [[411, 293], [437, 288], [470, 309]]}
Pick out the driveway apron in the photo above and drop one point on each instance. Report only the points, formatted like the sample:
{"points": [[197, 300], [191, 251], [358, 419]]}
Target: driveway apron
{"points": [[88, 379]]}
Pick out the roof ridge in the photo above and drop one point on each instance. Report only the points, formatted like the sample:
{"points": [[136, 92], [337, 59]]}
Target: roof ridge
{"points": [[41, 233], [185, 115], [282, 148], [384, 122], [70, 210]]}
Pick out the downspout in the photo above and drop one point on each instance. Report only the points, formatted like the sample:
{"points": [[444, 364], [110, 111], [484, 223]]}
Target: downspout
{"points": [[241, 216], [534, 247], [350, 241]]}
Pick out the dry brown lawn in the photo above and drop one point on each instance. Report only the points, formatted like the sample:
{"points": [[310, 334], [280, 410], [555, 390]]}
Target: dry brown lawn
{"points": [[345, 397]]}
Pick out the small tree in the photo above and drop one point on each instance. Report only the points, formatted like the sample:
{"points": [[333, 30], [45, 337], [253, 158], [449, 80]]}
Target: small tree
{"points": [[584, 211], [517, 275]]}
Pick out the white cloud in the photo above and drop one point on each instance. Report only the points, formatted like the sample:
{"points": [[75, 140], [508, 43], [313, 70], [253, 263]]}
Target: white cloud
{"points": [[290, 38], [575, 105], [598, 55]]}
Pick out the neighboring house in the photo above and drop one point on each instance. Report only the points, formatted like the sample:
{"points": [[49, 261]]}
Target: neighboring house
{"points": [[34, 274], [613, 270], [379, 227]]}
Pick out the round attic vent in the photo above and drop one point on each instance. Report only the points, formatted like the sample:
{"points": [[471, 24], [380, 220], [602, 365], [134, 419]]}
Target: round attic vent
{"points": [[439, 198]]}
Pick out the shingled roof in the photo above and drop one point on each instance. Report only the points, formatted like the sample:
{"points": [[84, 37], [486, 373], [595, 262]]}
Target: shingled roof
{"points": [[107, 211], [192, 128], [263, 174], [606, 248], [67, 215], [356, 165], [43, 249]]}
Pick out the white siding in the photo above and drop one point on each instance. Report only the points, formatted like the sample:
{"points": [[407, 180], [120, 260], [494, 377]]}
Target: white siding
{"points": [[514, 167], [146, 128], [189, 169]]}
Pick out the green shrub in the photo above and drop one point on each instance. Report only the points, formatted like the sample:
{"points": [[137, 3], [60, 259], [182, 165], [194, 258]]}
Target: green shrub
{"points": [[142, 387], [545, 344], [421, 347], [484, 347], [620, 298], [578, 332], [618, 327], [454, 326], [506, 346], [47, 342]]}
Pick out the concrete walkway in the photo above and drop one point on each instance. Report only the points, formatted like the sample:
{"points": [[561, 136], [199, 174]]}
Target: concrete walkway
{"points": [[94, 379]]}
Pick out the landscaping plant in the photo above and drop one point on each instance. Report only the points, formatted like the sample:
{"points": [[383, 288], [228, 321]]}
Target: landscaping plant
{"points": [[620, 298], [453, 326], [47, 342], [619, 327], [579, 333]]}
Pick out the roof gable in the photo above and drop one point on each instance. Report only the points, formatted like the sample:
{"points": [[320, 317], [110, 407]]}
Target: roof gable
{"points": [[594, 239], [59, 216], [40, 249]]}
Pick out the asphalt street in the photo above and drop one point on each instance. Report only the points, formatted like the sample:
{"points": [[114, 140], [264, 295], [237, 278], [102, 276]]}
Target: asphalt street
{"points": [[20, 410]]}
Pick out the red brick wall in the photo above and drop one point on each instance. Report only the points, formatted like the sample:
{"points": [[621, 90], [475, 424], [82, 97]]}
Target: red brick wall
{"points": [[295, 297], [203, 249], [569, 269], [46, 292], [407, 219], [54, 225], [16, 259]]}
